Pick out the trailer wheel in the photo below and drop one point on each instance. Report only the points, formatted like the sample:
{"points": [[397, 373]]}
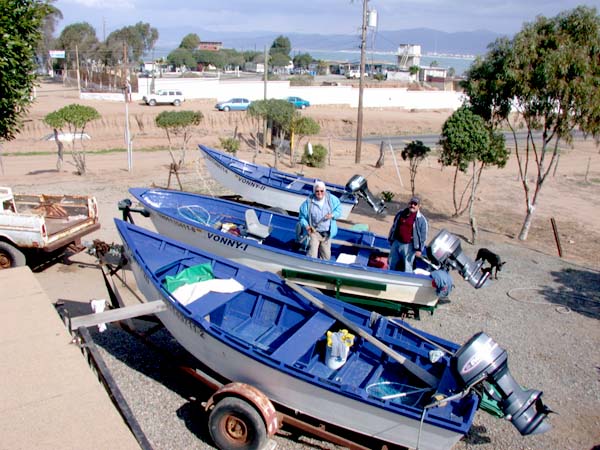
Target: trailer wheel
{"points": [[10, 256], [235, 424]]}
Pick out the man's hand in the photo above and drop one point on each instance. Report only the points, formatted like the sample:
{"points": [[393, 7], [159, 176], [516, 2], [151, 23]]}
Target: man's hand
{"points": [[418, 253]]}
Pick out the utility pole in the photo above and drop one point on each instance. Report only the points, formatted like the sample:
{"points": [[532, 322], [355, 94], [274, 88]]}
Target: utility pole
{"points": [[126, 88], [266, 77], [359, 120], [78, 75]]}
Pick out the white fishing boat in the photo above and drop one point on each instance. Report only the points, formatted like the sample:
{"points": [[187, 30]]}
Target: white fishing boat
{"points": [[266, 240], [277, 189]]}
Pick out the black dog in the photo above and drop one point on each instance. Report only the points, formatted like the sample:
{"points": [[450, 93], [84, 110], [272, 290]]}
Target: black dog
{"points": [[493, 259]]}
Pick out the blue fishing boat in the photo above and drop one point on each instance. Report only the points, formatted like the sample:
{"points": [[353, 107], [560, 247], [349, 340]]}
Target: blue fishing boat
{"points": [[274, 188], [318, 356]]}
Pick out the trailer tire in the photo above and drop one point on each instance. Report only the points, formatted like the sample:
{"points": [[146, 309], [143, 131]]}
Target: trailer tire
{"points": [[11, 256], [235, 424]]}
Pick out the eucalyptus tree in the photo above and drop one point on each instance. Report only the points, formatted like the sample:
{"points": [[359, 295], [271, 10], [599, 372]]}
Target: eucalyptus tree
{"points": [[281, 45], [547, 79], [81, 38], [468, 142], [135, 39], [190, 41]]}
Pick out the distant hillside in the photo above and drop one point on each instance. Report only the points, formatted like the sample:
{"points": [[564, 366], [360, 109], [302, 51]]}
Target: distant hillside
{"points": [[464, 43]]}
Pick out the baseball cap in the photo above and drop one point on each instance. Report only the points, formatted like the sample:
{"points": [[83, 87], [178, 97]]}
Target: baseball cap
{"points": [[415, 200]]}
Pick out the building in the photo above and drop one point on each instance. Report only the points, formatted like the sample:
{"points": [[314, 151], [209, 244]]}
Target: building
{"points": [[409, 55], [211, 46]]}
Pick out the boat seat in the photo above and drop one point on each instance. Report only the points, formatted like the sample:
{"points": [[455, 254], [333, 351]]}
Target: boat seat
{"points": [[304, 338], [253, 225]]}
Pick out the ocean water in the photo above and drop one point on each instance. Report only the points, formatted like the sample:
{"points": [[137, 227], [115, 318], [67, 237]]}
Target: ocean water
{"points": [[459, 63]]}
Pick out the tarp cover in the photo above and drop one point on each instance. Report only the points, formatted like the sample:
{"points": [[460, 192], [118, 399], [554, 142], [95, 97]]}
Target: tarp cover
{"points": [[201, 272]]}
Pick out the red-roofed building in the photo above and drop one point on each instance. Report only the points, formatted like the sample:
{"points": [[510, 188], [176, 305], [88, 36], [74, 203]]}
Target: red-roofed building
{"points": [[210, 46]]}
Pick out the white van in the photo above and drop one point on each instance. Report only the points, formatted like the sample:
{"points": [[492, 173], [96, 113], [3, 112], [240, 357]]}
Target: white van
{"points": [[164, 96]]}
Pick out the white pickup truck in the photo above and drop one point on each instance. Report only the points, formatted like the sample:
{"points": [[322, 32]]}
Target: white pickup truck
{"points": [[42, 223]]}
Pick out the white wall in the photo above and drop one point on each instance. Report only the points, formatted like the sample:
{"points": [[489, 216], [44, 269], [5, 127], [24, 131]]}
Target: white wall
{"points": [[217, 90]]}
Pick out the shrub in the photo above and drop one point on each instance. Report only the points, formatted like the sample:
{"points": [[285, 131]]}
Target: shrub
{"points": [[231, 145], [301, 80], [317, 159], [387, 196]]}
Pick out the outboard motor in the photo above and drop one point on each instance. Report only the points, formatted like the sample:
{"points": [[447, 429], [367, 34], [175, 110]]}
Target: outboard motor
{"points": [[483, 360], [358, 185], [446, 251]]}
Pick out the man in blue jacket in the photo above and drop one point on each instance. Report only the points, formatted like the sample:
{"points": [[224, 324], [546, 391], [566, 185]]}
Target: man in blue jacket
{"points": [[318, 216], [408, 236]]}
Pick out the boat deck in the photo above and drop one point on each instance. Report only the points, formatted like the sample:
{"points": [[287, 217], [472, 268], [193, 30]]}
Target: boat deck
{"points": [[50, 397]]}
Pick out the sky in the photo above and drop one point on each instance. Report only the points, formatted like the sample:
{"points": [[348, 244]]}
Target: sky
{"points": [[310, 16]]}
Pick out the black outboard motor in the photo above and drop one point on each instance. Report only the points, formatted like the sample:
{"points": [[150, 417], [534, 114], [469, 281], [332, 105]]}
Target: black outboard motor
{"points": [[445, 250], [358, 185], [483, 359]]}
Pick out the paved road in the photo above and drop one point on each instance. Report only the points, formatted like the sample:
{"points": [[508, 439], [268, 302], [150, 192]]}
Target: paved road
{"points": [[431, 140]]}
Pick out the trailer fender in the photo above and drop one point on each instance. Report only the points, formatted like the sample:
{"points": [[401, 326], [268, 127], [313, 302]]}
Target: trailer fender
{"points": [[253, 396]]}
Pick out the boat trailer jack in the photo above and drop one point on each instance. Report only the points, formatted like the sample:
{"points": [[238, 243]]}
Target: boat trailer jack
{"points": [[125, 206]]}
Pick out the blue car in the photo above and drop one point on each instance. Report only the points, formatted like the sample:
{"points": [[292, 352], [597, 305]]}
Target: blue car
{"points": [[233, 104], [298, 102]]}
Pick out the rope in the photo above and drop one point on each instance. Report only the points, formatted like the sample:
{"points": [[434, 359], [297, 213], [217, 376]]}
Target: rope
{"points": [[559, 309]]}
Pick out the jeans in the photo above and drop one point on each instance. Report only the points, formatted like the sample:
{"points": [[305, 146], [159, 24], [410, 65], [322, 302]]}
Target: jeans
{"points": [[402, 257]]}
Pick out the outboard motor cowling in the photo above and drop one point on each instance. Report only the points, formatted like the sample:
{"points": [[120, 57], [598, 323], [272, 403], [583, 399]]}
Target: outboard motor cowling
{"points": [[445, 250], [483, 359], [358, 185]]}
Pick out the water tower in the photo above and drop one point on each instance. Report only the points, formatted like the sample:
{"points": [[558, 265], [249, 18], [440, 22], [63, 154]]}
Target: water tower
{"points": [[409, 55]]}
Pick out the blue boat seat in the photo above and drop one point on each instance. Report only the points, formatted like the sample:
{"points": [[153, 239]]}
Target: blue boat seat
{"points": [[304, 338], [253, 225]]}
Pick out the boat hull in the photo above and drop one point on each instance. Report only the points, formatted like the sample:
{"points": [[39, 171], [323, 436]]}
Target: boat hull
{"points": [[250, 189], [375, 284]]}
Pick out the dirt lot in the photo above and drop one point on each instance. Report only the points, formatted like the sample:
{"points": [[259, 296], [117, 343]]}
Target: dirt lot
{"points": [[559, 357], [570, 194]]}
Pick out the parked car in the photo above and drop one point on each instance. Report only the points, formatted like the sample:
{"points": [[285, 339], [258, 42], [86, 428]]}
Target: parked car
{"points": [[298, 102], [233, 104], [164, 96]]}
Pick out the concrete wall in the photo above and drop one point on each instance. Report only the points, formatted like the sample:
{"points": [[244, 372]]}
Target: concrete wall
{"points": [[218, 90]]}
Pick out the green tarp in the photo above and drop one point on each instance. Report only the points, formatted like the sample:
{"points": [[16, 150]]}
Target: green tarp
{"points": [[201, 272]]}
